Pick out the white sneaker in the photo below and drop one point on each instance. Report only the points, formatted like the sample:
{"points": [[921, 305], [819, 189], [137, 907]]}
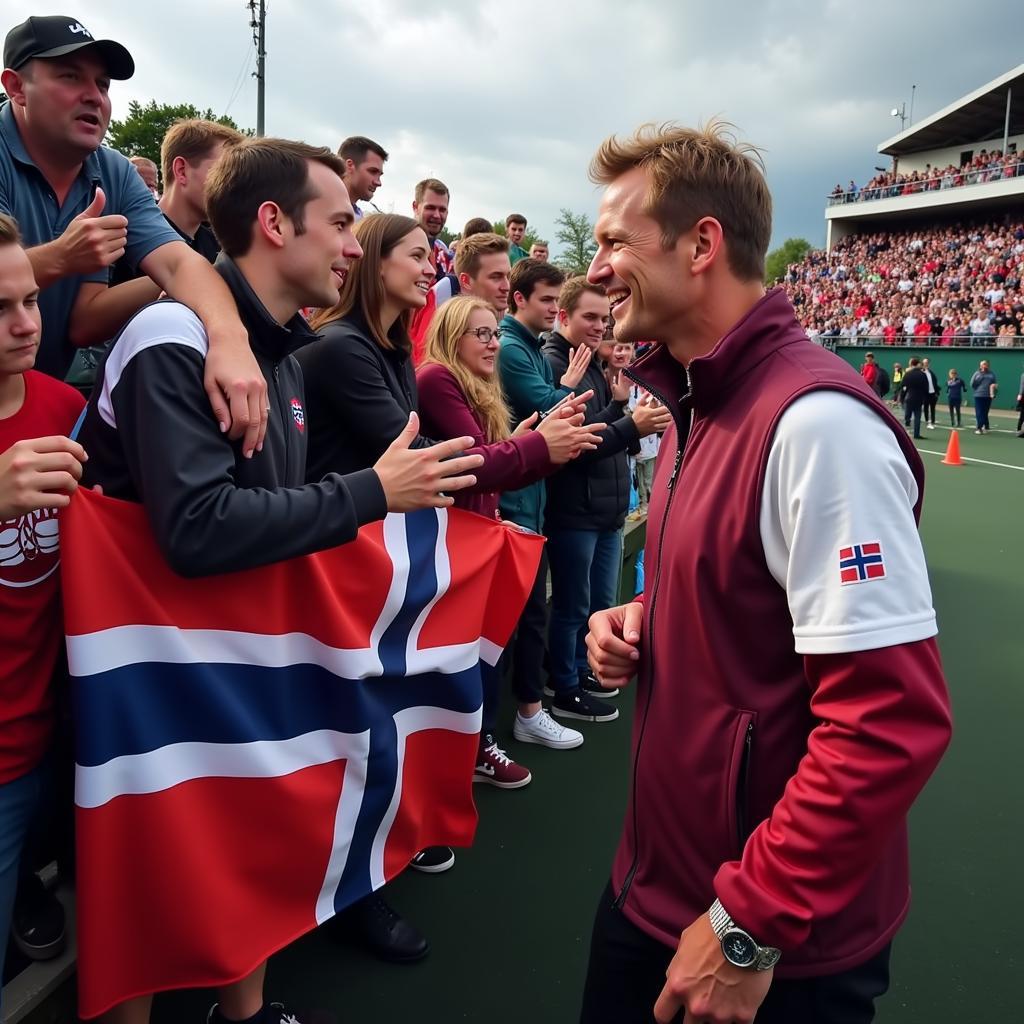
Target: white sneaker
{"points": [[931, 426], [543, 729]]}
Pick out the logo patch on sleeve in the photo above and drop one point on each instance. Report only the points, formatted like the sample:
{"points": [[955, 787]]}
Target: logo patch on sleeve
{"points": [[299, 415], [859, 563]]}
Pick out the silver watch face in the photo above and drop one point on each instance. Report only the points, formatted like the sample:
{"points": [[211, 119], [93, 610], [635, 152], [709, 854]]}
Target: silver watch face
{"points": [[739, 948]]}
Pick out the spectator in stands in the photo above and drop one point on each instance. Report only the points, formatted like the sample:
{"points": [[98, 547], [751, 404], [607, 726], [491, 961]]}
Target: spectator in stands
{"points": [[364, 168], [148, 173], [56, 76], [983, 386], [430, 208], [915, 392], [39, 470], [934, 390], [460, 394], [539, 251], [529, 384], [909, 277], [515, 228], [587, 504], [954, 396]]}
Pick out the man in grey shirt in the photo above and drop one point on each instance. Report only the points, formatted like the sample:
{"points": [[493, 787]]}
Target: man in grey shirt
{"points": [[984, 385]]}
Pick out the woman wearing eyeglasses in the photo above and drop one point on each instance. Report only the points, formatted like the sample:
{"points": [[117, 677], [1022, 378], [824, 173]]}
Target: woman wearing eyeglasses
{"points": [[460, 395]]}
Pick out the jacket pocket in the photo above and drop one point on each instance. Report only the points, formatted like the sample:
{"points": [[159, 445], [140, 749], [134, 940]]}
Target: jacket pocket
{"points": [[738, 788]]}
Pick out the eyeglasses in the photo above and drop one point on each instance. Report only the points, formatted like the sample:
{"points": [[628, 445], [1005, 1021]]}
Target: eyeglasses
{"points": [[485, 335]]}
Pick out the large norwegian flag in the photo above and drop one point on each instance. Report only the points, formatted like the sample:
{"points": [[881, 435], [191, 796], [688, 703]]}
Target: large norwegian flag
{"points": [[258, 750]]}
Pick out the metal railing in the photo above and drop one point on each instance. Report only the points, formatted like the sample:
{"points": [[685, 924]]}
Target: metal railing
{"points": [[959, 179], [923, 341]]}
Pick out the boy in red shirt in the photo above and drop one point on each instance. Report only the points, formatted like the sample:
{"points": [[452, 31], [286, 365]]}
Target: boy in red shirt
{"points": [[39, 468]]}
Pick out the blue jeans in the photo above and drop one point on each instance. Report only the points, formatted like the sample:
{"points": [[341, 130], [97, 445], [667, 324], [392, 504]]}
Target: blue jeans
{"points": [[18, 801], [585, 568]]}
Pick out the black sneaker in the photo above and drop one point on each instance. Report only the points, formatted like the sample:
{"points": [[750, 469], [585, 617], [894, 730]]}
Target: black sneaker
{"points": [[272, 1013], [434, 859], [38, 923], [591, 685], [579, 704]]}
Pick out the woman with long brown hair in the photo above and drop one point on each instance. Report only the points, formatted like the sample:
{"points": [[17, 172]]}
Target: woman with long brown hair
{"points": [[360, 386]]}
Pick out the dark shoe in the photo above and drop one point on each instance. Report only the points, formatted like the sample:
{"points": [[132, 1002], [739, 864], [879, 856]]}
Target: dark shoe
{"points": [[578, 704], [382, 931], [271, 1013], [38, 923], [434, 859], [590, 684], [919, 437]]}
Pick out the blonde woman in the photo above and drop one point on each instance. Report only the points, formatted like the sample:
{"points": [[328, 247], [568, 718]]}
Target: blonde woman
{"points": [[460, 395]]}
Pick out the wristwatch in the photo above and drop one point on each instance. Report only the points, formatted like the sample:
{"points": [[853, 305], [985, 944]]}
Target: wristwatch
{"points": [[738, 947]]}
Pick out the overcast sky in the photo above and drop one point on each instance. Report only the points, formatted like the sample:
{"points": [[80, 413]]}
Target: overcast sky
{"points": [[506, 100]]}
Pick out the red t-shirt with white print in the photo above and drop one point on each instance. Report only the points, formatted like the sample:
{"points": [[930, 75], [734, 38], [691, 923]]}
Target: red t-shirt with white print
{"points": [[30, 616]]}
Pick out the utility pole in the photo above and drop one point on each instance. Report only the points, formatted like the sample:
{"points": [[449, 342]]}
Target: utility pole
{"points": [[258, 24]]}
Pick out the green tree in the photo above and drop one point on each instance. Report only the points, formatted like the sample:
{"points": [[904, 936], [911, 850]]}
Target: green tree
{"points": [[576, 236], [792, 250], [142, 131]]}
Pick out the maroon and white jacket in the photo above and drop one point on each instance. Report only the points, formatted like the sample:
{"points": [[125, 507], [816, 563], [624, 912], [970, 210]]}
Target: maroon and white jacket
{"points": [[777, 780]]}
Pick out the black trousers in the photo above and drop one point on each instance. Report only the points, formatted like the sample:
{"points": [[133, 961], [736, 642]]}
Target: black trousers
{"points": [[929, 408], [528, 646], [627, 972]]}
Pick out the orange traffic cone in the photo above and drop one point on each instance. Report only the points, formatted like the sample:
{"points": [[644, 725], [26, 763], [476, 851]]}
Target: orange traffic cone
{"points": [[953, 451]]}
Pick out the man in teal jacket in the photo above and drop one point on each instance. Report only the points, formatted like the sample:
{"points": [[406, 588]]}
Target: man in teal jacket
{"points": [[529, 386]]}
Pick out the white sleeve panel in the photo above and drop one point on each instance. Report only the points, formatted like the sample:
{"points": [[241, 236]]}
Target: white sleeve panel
{"points": [[161, 323], [836, 485]]}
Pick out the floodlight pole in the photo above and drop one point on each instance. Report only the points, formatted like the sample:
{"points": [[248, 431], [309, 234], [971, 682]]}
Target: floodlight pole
{"points": [[1006, 124], [258, 24], [913, 89]]}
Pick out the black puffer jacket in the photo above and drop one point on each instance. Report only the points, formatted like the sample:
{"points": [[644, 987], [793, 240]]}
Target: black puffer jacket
{"points": [[592, 492]]}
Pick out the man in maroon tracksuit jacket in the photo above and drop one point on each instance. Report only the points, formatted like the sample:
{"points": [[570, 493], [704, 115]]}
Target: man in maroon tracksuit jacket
{"points": [[791, 703]]}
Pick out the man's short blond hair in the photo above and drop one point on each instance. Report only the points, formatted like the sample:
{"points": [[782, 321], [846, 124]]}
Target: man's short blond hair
{"points": [[695, 173], [194, 139], [472, 250]]}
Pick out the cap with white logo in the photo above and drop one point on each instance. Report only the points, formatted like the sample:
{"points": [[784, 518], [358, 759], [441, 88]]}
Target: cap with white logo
{"points": [[57, 36]]}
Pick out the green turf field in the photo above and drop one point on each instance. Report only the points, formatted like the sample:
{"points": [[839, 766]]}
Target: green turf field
{"points": [[509, 925]]}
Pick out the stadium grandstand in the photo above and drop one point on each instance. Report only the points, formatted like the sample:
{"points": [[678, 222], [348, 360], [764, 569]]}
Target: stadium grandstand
{"points": [[930, 253]]}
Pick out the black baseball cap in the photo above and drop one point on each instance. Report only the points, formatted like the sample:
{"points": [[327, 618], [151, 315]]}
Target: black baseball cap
{"points": [[56, 36]]}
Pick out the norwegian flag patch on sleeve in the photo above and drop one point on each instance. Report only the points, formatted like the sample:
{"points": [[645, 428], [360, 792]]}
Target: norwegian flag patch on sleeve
{"points": [[859, 563]]}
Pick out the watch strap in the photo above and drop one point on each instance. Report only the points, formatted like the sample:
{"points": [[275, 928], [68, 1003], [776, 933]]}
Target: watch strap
{"points": [[722, 923]]}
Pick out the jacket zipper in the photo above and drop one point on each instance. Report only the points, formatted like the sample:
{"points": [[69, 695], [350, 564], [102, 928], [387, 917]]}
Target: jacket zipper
{"points": [[680, 450], [285, 413], [743, 788]]}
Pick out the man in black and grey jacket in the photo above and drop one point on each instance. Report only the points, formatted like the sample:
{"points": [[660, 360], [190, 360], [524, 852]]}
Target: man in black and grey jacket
{"points": [[284, 221], [587, 504]]}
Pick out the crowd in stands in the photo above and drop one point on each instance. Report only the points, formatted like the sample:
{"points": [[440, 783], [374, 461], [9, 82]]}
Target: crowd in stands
{"points": [[954, 285], [387, 320], [988, 165]]}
